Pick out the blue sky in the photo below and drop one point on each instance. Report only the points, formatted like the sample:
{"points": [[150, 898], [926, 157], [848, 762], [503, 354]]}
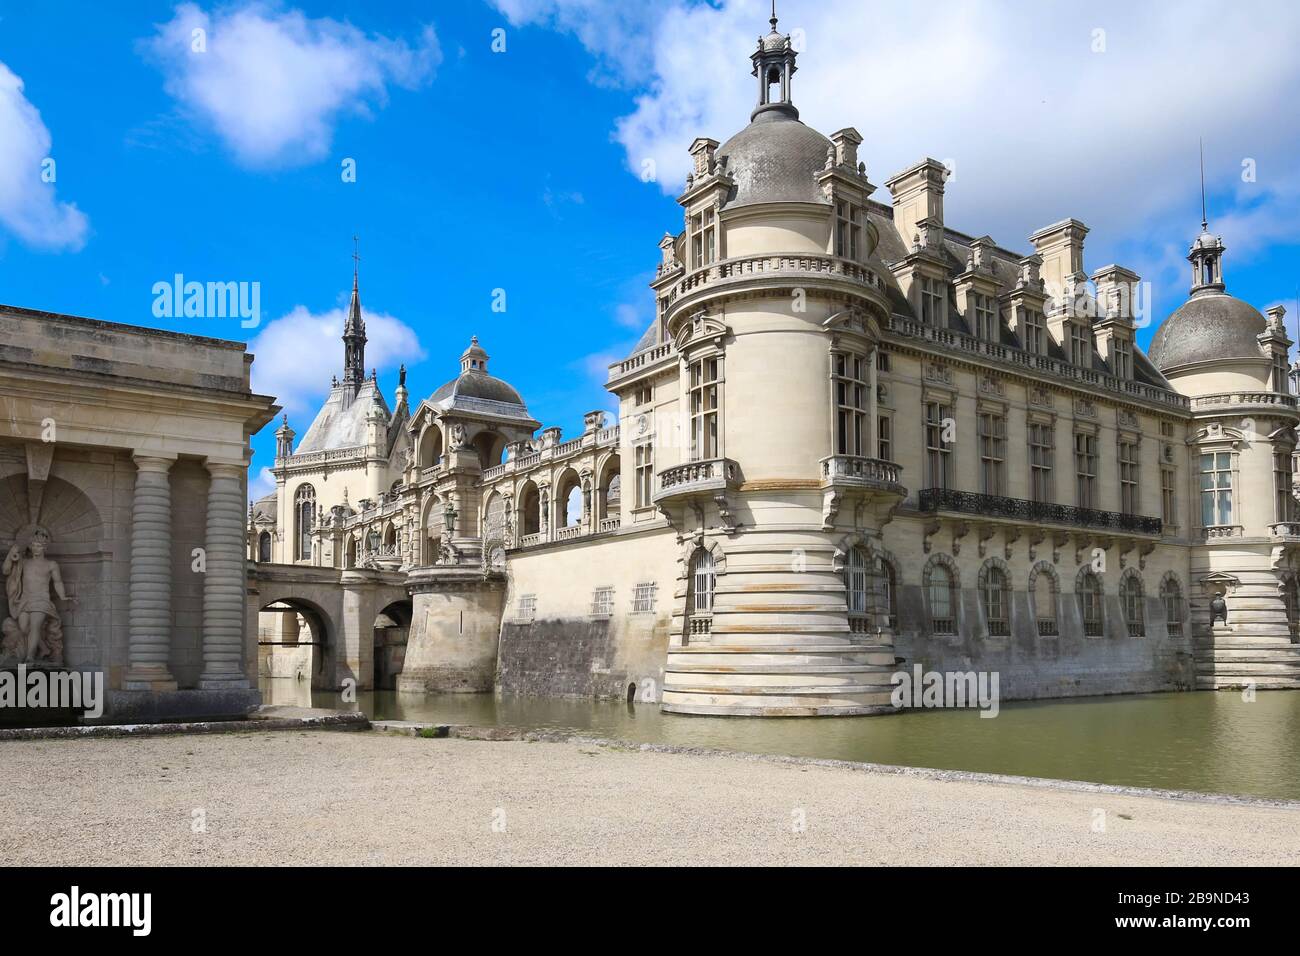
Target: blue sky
{"points": [[519, 170]]}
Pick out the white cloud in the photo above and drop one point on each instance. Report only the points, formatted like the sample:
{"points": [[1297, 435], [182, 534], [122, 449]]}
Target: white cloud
{"points": [[28, 207], [261, 485], [292, 355], [273, 83], [1039, 126]]}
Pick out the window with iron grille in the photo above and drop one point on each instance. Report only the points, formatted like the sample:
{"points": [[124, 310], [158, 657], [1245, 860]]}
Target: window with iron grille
{"points": [[1171, 595], [602, 602], [1042, 439], [993, 453], [1044, 595], [1090, 604], [855, 581], [703, 578], [1128, 477], [850, 404], [1130, 595], [891, 591], [527, 607], [996, 602], [939, 589], [643, 598]]}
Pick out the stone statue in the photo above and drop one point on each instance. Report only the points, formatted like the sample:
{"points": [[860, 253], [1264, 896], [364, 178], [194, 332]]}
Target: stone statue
{"points": [[33, 630], [1218, 609], [459, 436]]}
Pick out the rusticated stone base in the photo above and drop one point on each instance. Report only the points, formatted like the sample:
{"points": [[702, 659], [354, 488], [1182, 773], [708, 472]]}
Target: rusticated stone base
{"points": [[148, 707]]}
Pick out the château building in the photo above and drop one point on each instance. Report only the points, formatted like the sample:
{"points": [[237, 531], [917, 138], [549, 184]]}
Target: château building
{"points": [[854, 438]]}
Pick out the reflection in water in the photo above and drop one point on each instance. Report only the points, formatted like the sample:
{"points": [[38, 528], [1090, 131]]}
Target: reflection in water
{"points": [[1206, 741]]}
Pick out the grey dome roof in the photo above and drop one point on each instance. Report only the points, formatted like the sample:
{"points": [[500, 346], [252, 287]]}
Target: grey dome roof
{"points": [[476, 384], [1207, 327], [775, 158]]}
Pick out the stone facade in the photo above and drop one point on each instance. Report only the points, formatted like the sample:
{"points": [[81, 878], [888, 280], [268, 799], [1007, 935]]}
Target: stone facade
{"points": [[852, 438]]}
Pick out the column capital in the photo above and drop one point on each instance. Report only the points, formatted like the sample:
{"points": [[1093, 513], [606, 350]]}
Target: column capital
{"points": [[225, 469], [155, 461]]}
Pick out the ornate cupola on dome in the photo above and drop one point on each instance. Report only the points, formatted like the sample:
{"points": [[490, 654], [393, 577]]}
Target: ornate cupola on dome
{"points": [[474, 359], [774, 66]]}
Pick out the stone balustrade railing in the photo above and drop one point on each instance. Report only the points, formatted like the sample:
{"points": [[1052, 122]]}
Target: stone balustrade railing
{"points": [[569, 533], [1222, 531], [610, 524], [1285, 529], [322, 457], [708, 475], [1234, 400], [955, 341], [529, 540], [855, 468], [600, 438], [640, 360], [802, 267]]}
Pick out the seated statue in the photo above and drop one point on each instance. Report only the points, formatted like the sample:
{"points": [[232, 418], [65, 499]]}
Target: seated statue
{"points": [[32, 631]]}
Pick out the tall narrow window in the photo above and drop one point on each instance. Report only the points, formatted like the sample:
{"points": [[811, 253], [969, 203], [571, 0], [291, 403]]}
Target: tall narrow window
{"points": [[848, 230], [993, 453], [703, 238], [942, 601], [645, 474], [887, 580], [264, 547], [1284, 506], [1044, 594], [855, 581], [1171, 596], [851, 373], [995, 601], [1080, 345], [1035, 332], [885, 438], [1123, 358], [1041, 443], [986, 318], [1128, 477], [704, 379], [1216, 489], [1085, 469], [1130, 598], [1168, 499], [933, 295], [304, 509], [1281, 377], [1090, 604], [938, 453]]}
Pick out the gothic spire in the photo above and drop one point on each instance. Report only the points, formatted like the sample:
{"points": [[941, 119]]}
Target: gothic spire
{"points": [[354, 332]]}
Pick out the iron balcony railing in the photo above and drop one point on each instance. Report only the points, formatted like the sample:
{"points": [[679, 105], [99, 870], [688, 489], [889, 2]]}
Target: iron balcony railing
{"points": [[1038, 512]]}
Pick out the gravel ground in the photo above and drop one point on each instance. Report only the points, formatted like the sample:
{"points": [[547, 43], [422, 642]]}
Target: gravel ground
{"points": [[369, 798]]}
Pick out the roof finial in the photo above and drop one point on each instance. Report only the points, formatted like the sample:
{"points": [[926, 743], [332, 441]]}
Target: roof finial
{"points": [[1205, 222], [773, 20], [356, 258]]}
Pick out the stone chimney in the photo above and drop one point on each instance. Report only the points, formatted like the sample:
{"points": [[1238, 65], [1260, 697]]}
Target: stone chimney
{"points": [[846, 143], [918, 197], [703, 150], [1061, 247]]}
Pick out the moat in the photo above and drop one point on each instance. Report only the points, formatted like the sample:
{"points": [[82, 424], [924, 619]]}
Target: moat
{"points": [[1212, 742]]}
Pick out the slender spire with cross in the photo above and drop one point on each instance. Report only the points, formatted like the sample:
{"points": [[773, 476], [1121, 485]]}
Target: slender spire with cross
{"points": [[354, 330], [1206, 255], [1205, 219]]}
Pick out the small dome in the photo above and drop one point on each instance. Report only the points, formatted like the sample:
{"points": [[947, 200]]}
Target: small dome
{"points": [[476, 384], [1205, 328], [775, 158], [774, 41]]}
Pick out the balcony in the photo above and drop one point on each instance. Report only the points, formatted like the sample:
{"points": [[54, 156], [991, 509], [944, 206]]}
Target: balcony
{"points": [[697, 477], [852, 471], [1285, 530], [1035, 512]]}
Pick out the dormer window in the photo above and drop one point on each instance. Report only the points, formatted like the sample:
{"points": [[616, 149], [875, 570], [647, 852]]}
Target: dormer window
{"points": [[704, 242], [1123, 358], [1035, 332], [848, 230], [933, 294], [1281, 377], [1080, 345], [986, 317]]}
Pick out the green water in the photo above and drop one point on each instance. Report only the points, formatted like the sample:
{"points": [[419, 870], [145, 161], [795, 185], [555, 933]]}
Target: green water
{"points": [[1203, 741]]}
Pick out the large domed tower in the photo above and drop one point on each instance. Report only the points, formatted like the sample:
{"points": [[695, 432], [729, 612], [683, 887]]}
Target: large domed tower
{"points": [[769, 302], [1232, 363]]}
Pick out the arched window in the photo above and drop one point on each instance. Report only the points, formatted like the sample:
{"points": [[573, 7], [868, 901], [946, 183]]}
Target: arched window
{"points": [[264, 547], [304, 509], [1089, 595], [350, 553], [855, 581], [1130, 597], [940, 589], [573, 507], [530, 510], [1171, 596], [889, 582], [996, 601], [701, 577], [1044, 598]]}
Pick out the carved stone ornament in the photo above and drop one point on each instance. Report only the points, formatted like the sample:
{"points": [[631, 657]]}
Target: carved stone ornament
{"points": [[33, 629]]}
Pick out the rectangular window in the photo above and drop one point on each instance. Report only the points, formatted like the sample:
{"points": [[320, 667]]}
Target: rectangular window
{"points": [[643, 598], [1216, 489], [527, 607], [938, 453], [1168, 499], [933, 294], [850, 404], [848, 230], [1042, 441], [1035, 332], [1284, 508], [986, 318], [885, 438], [1281, 377], [882, 360], [703, 239], [1128, 477], [705, 376], [645, 474], [1080, 345], [1085, 469], [993, 454], [645, 395], [1123, 364], [602, 602]]}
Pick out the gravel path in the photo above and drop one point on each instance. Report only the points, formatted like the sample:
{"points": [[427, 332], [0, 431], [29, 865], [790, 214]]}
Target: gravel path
{"points": [[369, 798]]}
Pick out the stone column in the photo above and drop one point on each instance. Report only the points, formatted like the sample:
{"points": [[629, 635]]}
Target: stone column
{"points": [[150, 618], [224, 583]]}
